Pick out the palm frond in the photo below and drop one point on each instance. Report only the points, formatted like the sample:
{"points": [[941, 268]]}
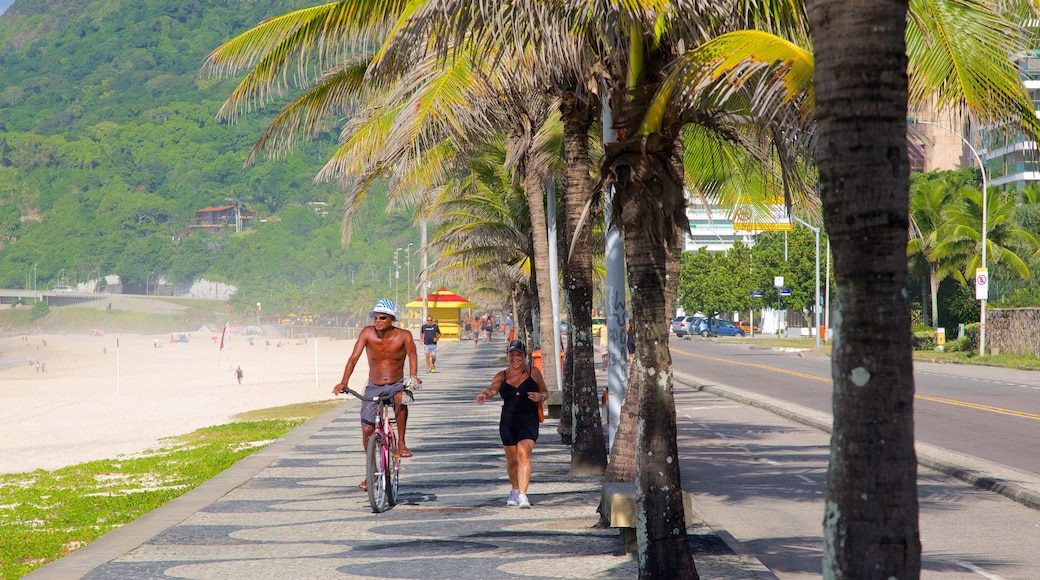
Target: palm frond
{"points": [[959, 57]]}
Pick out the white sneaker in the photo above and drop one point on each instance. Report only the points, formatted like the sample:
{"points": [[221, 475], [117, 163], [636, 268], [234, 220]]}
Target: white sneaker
{"points": [[523, 501], [514, 497]]}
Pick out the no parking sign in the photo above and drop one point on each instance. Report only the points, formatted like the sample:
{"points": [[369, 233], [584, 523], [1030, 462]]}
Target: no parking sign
{"points": [[981, 284]]}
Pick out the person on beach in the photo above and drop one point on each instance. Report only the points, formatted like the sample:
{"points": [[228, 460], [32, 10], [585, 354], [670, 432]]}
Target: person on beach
{"points": [[430, 333], [386, 347], [521, 388], [239, 374]]}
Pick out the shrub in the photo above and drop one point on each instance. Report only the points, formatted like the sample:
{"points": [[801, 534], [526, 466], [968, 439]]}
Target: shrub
{"points": [[923, 340], [40, 309]]}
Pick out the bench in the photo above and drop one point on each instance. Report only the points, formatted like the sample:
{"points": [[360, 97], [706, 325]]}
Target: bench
{"points": [[619, 508], [554, 404]]}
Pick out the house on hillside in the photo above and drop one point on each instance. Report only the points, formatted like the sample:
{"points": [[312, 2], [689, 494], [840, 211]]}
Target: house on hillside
{"points": [[215, 218]]}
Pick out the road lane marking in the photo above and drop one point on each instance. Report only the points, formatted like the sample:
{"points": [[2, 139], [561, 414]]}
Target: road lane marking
{"points": [[980, 407], [942, 400]]}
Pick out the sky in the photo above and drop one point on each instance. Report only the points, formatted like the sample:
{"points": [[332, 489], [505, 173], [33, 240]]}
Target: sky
{"points": [[4, 4]]}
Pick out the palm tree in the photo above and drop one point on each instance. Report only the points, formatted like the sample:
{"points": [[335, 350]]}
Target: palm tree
{"points": [[580, 420], [864, 179], [961, 237], [862, 95], [928, 198], [484, 230], [378, 141]]}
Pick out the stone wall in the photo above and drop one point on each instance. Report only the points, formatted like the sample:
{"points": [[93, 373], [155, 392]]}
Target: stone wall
{"points": [[1013, 330]]}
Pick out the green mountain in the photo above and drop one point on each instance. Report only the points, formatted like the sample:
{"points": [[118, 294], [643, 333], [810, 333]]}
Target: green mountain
{"points": [[109, 144]]}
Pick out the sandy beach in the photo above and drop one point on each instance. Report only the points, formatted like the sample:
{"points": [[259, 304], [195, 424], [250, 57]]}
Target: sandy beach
{"points": [[99, 397]]}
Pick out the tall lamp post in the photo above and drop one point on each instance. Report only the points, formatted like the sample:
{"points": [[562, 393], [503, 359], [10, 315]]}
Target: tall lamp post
{"points": [[982, 273], [408, 259], [816, 305], [397, 275]]}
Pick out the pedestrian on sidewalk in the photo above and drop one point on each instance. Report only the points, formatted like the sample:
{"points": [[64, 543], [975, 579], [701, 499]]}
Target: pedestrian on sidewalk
{"points": [[386, 347], [522, 388], [430, 333]]}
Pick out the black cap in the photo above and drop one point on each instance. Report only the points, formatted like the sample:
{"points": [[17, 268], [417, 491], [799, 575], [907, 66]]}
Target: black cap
{"points": [[517, 345]]}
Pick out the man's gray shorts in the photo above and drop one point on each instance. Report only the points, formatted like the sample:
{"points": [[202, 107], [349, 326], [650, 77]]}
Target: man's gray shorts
{"points": [[430, 348], [368, 408]]}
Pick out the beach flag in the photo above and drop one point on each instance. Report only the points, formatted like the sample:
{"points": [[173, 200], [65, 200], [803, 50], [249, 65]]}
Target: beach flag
{"points": [[223, 333]]}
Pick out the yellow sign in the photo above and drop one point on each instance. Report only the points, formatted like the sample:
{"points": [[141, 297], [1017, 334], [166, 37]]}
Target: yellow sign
{"points": [[770, 217]]}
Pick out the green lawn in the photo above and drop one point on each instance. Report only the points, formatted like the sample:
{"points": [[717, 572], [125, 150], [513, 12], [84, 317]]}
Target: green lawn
{"points": [[45, 515]]}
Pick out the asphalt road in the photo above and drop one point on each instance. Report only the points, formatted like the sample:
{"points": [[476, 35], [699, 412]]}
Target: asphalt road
{"points": [[762, 477], [986, 412]]}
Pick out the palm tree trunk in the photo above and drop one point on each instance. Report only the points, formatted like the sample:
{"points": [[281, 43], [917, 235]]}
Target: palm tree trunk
{"points": [[535, 191], [651, 207], [933, 287], [871, 511], [589, 451]]}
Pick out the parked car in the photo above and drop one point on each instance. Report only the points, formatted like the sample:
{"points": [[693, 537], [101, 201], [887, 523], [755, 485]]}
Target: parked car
{"points": [[746, 326], [676, 323], [598, 322], [717, 327], [684, 325]]}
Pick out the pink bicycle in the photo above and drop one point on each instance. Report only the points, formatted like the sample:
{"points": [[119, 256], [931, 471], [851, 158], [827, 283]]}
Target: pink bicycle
{"points": [[382, 459]]}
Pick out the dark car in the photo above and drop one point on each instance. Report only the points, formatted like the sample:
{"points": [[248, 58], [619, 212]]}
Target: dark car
{"points": [[716, 327], [683, 325]]}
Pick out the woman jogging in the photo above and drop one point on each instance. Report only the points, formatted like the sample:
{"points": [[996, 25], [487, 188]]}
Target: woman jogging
{"points": [[521, 388]]}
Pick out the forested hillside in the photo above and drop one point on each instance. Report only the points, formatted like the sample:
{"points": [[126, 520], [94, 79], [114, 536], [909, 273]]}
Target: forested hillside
{"points": [[109, 144]]}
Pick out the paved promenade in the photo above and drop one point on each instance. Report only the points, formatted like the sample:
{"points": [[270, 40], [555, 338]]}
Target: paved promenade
{"points": [[294, 510]]}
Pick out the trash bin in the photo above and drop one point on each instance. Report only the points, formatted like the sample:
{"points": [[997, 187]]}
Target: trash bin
{"points": [[536, 358]]}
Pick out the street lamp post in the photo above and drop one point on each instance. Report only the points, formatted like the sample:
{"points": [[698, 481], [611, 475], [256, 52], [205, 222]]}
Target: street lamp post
{"points": [[982, 168], [397, 276], [408, 259], [816, 304]]}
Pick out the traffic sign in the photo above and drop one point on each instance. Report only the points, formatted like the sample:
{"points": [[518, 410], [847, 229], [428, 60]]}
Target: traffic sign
{"points": [[756, 293], [785, 291], [981, 284]]}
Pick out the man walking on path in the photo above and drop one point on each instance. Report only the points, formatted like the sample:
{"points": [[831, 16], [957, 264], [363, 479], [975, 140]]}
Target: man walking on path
{"points": [[430, 333], [386, 347]]}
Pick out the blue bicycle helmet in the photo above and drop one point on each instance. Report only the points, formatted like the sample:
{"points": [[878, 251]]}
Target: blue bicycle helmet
{"points": [[384, 306]]}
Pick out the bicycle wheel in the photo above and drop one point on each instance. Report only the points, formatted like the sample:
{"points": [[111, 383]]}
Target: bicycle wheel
{"points": [[393, 468], [376, 474]]}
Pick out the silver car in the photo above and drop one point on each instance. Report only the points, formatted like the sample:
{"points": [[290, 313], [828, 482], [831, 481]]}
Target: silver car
{"points": [[683, 325]]}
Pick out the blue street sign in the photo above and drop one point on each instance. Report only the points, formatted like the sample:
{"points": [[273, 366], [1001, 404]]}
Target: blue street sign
{"points": [[756, 293], [785, 291]]}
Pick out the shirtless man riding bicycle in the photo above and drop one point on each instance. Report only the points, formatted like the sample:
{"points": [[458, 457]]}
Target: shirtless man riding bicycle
{"points": [[386, 347]]}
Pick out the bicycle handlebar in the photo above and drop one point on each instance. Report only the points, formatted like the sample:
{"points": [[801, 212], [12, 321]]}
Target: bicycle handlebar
{"points": [[374, 398]]}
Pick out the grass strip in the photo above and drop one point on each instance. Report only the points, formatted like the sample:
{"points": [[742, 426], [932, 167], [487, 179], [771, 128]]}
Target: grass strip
{"points": [[45, 515]]}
